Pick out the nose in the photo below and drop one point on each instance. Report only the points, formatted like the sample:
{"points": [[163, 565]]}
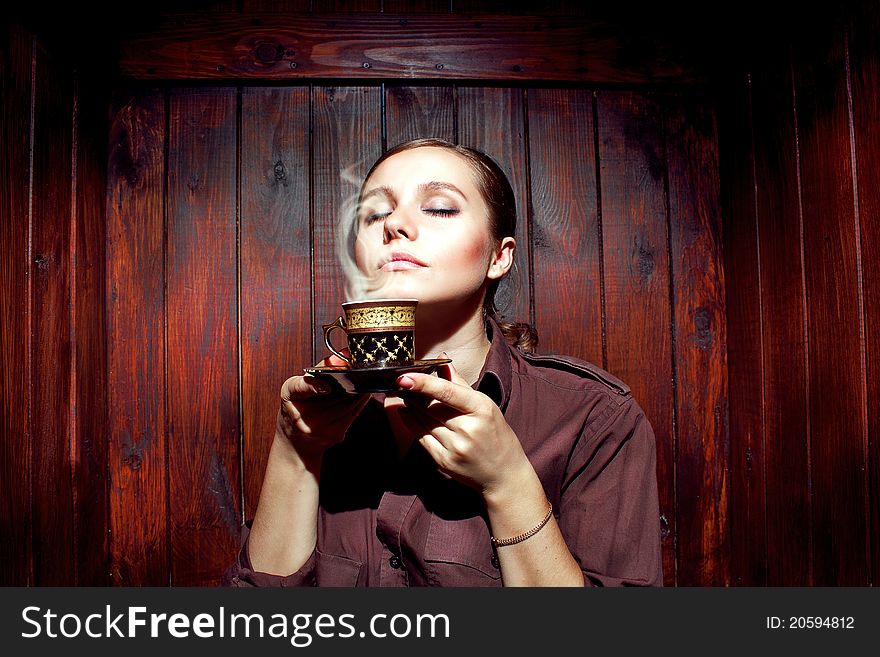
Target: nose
{"points": [[400, 225]]}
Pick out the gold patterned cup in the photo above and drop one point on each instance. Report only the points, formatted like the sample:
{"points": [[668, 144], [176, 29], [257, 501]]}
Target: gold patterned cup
{"points": [[380, 333]]}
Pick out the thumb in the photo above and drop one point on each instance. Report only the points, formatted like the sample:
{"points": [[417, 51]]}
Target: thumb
{"points": [[448, 372]]}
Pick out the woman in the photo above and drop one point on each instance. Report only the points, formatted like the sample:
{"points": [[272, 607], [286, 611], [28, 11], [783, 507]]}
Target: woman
{"points": [[506, 469]]}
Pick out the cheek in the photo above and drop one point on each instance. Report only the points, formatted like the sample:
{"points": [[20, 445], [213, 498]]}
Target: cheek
{"points": [[471, 253]]}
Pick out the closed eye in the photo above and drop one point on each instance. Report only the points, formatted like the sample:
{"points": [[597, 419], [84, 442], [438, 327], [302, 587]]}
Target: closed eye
{"points": [[441, 212], [376, 216]]}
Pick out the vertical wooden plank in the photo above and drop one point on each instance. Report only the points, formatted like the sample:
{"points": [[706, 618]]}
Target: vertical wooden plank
{"points": [[491, 120], [135, 285], [417, 112], [566, 252], [742, 276], [276, 290], [837, 396], [51, 415], [202, 334], [865, 67], [90, 363], [636, 275], [782, 306], [700, 343], [16, 53], [346, 141]]}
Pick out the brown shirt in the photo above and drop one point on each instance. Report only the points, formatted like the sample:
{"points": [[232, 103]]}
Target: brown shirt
{"points": [[387, 522]]}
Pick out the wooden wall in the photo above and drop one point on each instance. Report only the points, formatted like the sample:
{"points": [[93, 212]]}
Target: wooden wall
{"points": [[222, 215], [799, 163], [53, 480]]}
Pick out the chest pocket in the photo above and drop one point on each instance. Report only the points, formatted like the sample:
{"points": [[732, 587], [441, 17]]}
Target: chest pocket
{"points": [[459, 553]]}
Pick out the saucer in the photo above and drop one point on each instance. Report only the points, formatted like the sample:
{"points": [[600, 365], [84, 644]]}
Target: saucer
{"points": [[371, 379]]}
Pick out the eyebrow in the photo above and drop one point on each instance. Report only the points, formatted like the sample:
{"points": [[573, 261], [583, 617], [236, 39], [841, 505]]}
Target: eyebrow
{"points": [[384, 190], [433, 186]]}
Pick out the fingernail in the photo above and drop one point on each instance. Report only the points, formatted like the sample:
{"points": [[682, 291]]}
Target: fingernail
{"points": [[405, 382]]}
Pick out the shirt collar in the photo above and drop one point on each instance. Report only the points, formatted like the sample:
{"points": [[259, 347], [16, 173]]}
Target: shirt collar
{"points": [[495, 377]]}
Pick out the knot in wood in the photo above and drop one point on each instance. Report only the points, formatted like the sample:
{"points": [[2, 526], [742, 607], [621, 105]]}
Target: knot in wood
{"points": [[268, 52]]}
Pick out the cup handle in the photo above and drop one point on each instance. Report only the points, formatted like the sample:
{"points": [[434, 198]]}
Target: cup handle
{"points": [[328, 329]]}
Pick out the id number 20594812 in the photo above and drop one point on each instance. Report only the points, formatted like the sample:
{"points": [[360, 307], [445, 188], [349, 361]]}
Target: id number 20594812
{"points": [[810, 623]]}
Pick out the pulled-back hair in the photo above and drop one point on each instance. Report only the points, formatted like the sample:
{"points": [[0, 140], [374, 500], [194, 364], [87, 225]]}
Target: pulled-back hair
{"points": [[499, 198]]}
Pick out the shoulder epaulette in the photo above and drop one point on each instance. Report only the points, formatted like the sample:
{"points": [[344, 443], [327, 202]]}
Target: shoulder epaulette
{"points": [[582, 367]]}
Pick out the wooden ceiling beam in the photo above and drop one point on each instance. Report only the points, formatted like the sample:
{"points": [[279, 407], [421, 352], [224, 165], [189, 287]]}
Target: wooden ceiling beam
{"points": [[279, 47]]}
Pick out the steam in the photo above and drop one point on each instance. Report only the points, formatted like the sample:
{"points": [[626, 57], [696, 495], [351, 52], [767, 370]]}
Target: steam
{"points": [[358, 284]]}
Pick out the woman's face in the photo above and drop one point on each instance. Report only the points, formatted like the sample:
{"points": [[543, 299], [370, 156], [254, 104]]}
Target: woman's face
{"points": [[423, 230]]}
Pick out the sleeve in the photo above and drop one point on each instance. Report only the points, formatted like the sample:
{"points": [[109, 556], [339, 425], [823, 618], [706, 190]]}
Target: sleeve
{"points": [[609, 509], [242, 575]]}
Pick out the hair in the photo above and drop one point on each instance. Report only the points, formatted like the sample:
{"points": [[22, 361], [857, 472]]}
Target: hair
{"points": [[498, 195]]}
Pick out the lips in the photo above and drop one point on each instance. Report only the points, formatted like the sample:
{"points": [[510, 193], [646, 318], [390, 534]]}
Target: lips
{"points": [[401, 260]]}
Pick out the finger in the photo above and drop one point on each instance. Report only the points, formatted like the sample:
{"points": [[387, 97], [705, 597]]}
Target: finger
{"points": [[431, 408], [454, 395], [440, 443], [448, 372], [403, 417], [435, 449], [334, 361], [303, 387]]}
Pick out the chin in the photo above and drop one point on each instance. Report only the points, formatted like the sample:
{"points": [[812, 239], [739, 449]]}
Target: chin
{"points": [[398, 287]]}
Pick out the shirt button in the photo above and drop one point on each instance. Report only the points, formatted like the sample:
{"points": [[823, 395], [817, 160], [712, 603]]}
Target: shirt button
{"points": [[394, 562], [495, 561]]}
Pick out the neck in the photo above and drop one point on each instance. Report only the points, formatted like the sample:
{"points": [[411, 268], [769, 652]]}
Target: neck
{"points": [[463, 337]]}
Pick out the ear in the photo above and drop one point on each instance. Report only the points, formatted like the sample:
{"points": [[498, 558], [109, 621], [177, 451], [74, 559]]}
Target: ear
{"points": [[502, 259]]}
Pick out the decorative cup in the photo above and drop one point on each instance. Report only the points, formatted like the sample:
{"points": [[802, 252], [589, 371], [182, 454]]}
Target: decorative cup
{"points": [[379, 333]]}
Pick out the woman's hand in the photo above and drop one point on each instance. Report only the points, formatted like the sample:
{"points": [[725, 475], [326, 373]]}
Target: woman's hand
{"points": [[469, 439], [312, 418], [464, 432]]}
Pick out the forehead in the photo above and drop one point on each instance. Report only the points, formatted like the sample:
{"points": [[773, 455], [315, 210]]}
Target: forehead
{"points": [[427, 163]]}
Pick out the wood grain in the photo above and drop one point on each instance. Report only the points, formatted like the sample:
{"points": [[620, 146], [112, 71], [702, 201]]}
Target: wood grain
{"points": [[136, 354], [202, 334], [742, 276], [865, 67], [837, 398], [51, 412], [565, 232], [90, 449], [636, 275], [786, 376], [417, 112], [346, 141], [248, 6], [700, 343], [339, 6], [491, 120], [415, 6], [276, 276], [381, 45], [16, 56]]}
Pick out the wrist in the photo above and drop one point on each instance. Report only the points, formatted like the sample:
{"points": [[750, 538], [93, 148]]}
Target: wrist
{"points": [[518, 483], [283, 449]]}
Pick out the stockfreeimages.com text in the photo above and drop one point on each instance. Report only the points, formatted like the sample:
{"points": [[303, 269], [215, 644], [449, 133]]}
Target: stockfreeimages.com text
{"points": [[300, 629]]}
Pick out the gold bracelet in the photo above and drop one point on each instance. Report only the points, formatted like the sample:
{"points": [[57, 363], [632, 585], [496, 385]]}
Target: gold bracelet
{"points": [[499, 542]]}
